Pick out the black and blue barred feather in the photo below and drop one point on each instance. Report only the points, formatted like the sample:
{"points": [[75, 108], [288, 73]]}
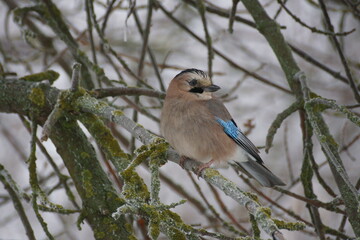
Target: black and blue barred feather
{"points": [[235, 133]]}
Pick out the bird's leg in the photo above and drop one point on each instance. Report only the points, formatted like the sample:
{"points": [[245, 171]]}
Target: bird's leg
{"points": [[202, 167], [182, 161]]}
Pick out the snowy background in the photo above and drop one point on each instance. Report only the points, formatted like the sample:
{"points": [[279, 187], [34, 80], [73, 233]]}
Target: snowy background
{"points": [[251, 100]]}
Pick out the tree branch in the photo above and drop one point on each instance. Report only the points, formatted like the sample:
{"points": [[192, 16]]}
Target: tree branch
{"points": [[88, 104], [340, 51], [330, 148], [11, 187], [128, 91], [96, 191]]}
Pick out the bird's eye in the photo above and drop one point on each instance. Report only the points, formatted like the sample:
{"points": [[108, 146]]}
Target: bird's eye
{"points": [[193, 82]]}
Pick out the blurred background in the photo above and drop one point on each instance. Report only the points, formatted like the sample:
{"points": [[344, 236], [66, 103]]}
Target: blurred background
{"points": [[254, 89]]}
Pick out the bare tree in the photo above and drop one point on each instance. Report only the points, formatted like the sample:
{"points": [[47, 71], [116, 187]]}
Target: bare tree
{"points": [[92, 75]]}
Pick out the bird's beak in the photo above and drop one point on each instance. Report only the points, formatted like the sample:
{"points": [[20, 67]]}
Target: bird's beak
{"points": [[211, 88]]}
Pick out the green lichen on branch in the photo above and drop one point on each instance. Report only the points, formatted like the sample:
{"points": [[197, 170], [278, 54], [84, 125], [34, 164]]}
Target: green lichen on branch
{"points": [[265, 210], [87, 178], [57, 209], [105, 141], [49, 75], [65, 104], [253, 196], [330, 148], [68, 99], [158, 150], [255, 228], [76, 152], [157, 159], [307, 173], [261, 215], [153, 226], [175, 234], [96, 191], [134, 186], [37, 96], [281, 224], [291, 226], [117, 113], [159, 218], [139, 201], [34, 183], [320, 104]]}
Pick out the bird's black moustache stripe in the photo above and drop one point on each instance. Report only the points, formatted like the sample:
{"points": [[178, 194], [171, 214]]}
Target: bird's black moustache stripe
{"points": [[197, 90]]}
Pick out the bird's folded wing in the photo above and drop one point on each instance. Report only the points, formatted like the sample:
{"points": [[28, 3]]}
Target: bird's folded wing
{"points": [[223, 117]]}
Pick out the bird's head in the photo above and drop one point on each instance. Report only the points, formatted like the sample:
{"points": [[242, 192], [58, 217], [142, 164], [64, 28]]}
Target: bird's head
{"points": [[192, 83]]}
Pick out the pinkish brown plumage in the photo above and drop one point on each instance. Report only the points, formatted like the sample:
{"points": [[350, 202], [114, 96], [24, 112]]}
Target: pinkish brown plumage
{"points": [[198, 126]]}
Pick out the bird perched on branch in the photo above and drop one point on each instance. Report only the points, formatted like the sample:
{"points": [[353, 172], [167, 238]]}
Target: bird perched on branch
{"points": [[198, 126]]}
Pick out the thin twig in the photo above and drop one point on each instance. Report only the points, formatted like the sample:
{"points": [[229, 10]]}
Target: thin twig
{"points": [[274, 202], [313, 29], [188, 196], [36, 190], [342, 225], [307, 57], [153, 63], [231, 62], [114, 53], [213, 210], [275, 125], [12, 140], [306, 174], [347, 190], [62, 178], [224, 13], [90, 28], [351, 142], [55, 114], [126, 91], [107, 15], [323, 183], [232, 15], [314, 202], [5, 177], [287, 154], [225, 210], [75, 78], [278, 11], [144, 48], [140, 109], [340, 52], [145, 37], [201, 9]]}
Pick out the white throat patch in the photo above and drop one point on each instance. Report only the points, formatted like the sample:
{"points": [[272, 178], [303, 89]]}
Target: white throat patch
{"points": [[204, 95]]}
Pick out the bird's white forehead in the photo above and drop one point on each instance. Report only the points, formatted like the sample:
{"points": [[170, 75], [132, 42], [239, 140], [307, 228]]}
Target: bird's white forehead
{"points": [[204, 80]]}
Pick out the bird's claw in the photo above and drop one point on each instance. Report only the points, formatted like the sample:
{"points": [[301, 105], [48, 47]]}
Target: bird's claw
{"points": [[202, 167]]}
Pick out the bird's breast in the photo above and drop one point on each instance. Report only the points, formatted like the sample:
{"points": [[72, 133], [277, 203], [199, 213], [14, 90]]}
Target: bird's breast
{"points": [[193, 132]]}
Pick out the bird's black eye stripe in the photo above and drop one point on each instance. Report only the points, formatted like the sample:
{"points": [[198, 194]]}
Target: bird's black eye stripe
{"points": [[193, 82], [196, 90]]}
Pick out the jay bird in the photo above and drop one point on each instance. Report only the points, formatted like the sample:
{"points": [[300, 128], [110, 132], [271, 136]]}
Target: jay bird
{"points": [[198, 126]]}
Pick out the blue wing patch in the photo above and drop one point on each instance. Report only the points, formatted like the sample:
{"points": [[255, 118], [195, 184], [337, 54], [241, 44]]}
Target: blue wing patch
{"points": [[234, 132]]}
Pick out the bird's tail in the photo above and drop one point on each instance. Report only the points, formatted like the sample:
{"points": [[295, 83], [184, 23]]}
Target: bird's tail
{"points": [[258, 171]]}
